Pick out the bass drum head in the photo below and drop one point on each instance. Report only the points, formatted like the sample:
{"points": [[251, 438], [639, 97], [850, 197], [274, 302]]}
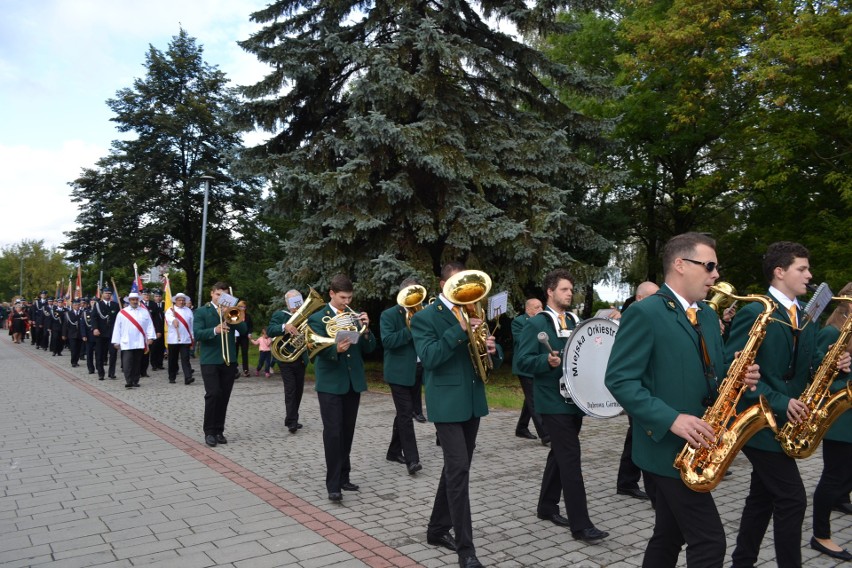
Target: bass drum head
{"points": [[584, 362]]}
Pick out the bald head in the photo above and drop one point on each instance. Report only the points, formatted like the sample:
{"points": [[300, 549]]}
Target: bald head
{"points": [[646, 289], [533, 306]]}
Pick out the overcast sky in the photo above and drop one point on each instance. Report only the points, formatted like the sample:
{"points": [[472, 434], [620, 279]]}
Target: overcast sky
{"points": [[60, 60]]}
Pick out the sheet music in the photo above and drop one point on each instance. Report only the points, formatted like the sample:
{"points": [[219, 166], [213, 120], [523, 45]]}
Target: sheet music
{"points": [[818, 302], [227, 301], [498, 304], [294, 302]]}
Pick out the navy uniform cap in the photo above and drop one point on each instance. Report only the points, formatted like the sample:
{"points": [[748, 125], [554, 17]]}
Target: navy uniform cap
{"points": [[85, 299], [157, 292], [106, 289], [43, 292]]}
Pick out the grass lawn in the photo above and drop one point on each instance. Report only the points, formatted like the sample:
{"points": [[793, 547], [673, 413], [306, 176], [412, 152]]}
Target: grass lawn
{"points": [[503, 389]]}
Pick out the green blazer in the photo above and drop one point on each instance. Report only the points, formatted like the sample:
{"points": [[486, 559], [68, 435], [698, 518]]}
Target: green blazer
{"points": [[841, 430], [531, 361], [275, 328], [655, 372], [517, 327], [774, 357], [400, 358], [337, 372], [205, 319], [454, 392]]}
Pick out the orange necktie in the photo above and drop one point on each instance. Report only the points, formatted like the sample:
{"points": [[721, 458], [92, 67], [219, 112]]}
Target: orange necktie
{"points": [[691, 315], [457, 311], [562, 323], [793, 319]]}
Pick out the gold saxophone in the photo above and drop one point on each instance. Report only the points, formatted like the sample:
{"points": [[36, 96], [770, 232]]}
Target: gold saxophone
{"points": [[802, 439], [701, 469]]}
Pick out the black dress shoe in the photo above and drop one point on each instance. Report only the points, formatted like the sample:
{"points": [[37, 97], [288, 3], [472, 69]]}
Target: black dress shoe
{"points": [[839, 554], [590, 534], [220, 439], [843, 508], [445, 540], [556, 519], [293, 429], [420, 418], [545, 440], [397, 458], [190, 381], [172, 381], [636, 493], [470, 562], [335, 496], [210, 440], [101, 377], [128, 386], [525, 434], [349, 487], [414, 467], [298, 426]]}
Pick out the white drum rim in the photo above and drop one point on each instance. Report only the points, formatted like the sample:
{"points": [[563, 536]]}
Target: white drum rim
{"points": [[577, 397]]}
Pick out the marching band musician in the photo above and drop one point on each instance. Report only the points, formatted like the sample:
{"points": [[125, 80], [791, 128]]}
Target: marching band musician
{"points": [[787, 358], [528, 412], [104, 314], [455, 400], [340, 380], [400, 370], [656, 371], [292, 374], [562, 418], [179, 320], [217, 373], [132, 335]]}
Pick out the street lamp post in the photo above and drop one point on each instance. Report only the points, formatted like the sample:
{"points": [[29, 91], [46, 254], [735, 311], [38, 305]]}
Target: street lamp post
{"points": [[21, 288], [206, 181]]}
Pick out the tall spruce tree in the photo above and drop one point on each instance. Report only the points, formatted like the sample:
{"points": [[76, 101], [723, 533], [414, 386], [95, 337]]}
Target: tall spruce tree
{"points": [[410, 133], [144, 201]]}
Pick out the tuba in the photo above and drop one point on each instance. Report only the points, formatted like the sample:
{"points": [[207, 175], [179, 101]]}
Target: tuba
{"points": [[347, 320], [290, 349], [411, 298], [802, 439], [465, 289], [701, 469]]}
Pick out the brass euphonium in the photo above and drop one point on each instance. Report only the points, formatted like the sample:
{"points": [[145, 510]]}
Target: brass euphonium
{"points": [[701, 469], [802, 439], [290, 349], [466, 289], [411, 298], [347, 319]]}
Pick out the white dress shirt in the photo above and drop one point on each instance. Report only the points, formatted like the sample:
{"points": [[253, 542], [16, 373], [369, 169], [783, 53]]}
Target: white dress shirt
{"points": [[125, 333], [179, 335]]}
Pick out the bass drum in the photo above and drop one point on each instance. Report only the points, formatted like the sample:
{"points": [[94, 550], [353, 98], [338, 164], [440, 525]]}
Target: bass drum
{"points": [[584, 362]]}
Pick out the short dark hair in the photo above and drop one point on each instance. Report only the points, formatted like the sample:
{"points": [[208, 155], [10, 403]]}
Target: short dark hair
{"points": [[340, 283], [552, 278], [451, 268], [781, 255], [682, 245], [220, 286]]}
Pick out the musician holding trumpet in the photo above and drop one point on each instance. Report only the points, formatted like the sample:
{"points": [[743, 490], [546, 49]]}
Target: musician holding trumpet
{"points": [[216, 339], [338, 337]]}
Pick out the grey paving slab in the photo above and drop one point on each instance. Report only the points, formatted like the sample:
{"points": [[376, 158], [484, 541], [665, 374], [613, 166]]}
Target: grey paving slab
{"points": [[74, 470]]}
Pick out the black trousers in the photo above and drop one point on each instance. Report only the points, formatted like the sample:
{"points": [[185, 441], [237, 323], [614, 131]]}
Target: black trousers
{"points": [[179, 353], [834, 484], [451, 508], [35, 335], [105, 353], [417, 391], [403, 440], [563, 473], [242, 343], [56, 341], [293, 376], [628, 472], [130, 362], [684, 516], [218, 384], [146, 359], [91, 348], [339, 413], [776, 492], [75, 344], [528, 410], [158, 353], [44, 340]]}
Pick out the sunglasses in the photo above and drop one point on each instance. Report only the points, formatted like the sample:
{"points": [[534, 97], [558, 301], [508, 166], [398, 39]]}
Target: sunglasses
{"points": [[708, 266]]}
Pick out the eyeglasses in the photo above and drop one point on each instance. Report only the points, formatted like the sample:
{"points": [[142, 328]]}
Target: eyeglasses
{"points": [[708, 266]]}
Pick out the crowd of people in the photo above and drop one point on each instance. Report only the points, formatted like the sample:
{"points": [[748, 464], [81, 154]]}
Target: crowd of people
{"points": [[668, 360]]}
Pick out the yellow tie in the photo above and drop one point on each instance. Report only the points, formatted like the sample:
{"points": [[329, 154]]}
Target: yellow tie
{"points": [[562, 323], [457, 311], [793, 319], [691, 315]]}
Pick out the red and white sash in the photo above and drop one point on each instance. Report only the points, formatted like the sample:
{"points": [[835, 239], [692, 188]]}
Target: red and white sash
{"points": [[126, 314], [185, 325]]}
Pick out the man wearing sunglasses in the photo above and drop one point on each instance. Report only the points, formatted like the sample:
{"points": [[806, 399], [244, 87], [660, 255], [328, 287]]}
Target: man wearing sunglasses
{"points": [[658, 373]]}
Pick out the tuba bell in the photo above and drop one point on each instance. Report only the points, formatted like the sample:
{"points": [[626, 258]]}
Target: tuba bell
{"points": [[466, 289], [411, 298], [290, 349]]}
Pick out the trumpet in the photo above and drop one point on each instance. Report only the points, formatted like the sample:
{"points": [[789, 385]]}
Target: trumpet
{"points": [[465, 289], [411, 298], [347, 319]]}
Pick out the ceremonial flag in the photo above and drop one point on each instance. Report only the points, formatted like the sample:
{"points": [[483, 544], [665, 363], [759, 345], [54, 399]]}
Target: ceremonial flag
{"points": [[134, 287], [167, 305], [79, 292], [58, 288], [68, 294]]}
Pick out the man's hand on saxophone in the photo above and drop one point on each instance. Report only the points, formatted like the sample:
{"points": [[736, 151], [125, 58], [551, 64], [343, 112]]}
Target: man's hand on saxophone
{"points": [[797, 411], [692, 429]]}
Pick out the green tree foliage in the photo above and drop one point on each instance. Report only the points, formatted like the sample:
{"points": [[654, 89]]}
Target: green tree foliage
{"points": [[40, 267], [144, 201], [407, 134]]}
